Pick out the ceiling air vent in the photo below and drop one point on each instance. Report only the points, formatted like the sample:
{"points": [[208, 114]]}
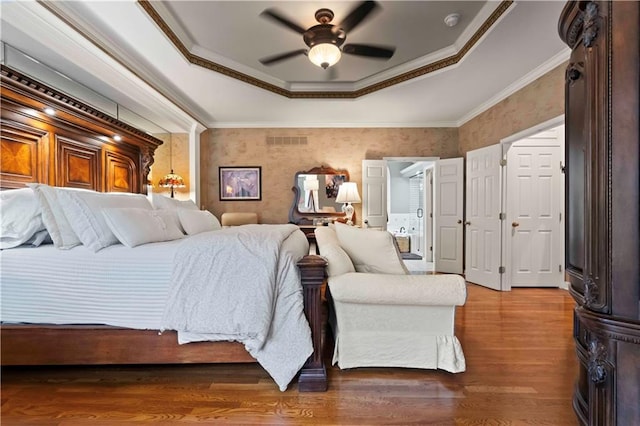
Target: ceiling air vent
{"points": [[286, 140]]}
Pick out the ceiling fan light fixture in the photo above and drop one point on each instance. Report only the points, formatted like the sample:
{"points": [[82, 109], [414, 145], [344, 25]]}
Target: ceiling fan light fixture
{"points": [[324, 55], [326, 40]]}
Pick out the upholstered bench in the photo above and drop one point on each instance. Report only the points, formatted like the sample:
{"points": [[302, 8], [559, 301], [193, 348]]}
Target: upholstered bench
{"points": [[238, 218]]}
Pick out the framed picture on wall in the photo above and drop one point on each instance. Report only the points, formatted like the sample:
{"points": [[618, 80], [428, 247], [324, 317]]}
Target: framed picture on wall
{"points": [[240, 183]]}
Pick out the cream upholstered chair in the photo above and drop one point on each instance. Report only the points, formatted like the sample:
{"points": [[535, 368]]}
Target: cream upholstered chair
{"points": [[238, 218], [382, 316]]}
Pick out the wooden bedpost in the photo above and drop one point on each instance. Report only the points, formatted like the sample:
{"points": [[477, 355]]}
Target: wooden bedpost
{"points": [[313, 375]]}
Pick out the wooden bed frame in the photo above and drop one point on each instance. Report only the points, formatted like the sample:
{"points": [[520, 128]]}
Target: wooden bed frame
{"points": [[75, 148]]}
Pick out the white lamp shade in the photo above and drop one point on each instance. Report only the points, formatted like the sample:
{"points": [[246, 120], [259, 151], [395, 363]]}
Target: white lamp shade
{"points": [[348, 193], [324, 54]]}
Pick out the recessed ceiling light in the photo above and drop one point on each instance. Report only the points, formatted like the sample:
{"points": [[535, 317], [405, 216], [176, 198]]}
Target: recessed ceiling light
{"points": [[117, 138], [49, 111], [451, 20]]}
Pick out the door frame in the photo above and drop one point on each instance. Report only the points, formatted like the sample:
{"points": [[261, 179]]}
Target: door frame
{"points": [[506, 144]]}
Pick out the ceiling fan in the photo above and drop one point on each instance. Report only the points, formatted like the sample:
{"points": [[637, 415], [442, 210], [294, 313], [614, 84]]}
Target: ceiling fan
{"points": [[325, 39]]}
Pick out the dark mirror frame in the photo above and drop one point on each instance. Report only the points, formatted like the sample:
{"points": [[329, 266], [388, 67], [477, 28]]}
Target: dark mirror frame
{"points": [[306, 218]]}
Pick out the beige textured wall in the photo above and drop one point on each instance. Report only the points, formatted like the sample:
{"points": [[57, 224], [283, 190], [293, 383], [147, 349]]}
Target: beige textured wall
{"points": [[337, 148], [176, 144], [539, 101]]}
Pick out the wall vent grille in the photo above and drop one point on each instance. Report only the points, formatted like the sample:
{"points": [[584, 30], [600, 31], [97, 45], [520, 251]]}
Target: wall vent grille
{"points": [[286, 140]]}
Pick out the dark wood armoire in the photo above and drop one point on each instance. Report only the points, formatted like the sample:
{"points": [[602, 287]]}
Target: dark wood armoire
{"points": [[603, 234]]}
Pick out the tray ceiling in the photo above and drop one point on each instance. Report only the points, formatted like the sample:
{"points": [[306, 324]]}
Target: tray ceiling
{"points": [[182, 63]]}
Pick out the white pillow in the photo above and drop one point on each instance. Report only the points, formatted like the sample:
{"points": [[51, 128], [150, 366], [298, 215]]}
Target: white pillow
{"points": [[197, 221], [53, 216], [338, 261], [171, 204], [370, 250], [136, 226], [83, 210], [20, 217]]}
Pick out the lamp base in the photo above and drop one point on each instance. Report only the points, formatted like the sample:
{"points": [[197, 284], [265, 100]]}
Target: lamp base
{"points": [[348, 211]]}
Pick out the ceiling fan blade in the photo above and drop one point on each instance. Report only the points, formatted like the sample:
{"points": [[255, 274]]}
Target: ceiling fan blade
{"points": [[369, 50], [357, 15], [274, 15], [270, 60]]}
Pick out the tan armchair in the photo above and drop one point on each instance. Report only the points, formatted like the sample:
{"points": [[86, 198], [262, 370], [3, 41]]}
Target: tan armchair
{"points": [[382, 316]]}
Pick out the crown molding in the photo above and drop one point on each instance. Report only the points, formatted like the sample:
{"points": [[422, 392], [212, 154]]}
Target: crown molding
{"points": [[132, 76], [32, 89], [298, 125], [538, 72], [470, 31], [72, 27], [312, 91]]}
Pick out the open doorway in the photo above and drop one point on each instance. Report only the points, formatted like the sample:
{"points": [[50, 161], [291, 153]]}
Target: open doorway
{"points": [[410, 207], [439, 218]]}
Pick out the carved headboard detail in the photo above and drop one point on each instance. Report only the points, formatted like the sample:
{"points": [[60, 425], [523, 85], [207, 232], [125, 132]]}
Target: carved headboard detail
{"points": [[73, 147]]}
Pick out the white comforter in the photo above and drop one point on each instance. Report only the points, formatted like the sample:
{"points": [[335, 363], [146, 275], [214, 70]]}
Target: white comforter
{"points": [[234, 284]]}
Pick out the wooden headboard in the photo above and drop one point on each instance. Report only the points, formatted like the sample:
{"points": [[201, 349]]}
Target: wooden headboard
{"points": [[73, 147]]}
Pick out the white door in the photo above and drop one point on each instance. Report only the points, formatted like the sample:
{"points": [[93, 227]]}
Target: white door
{"points": [[448, 215], [482, 222], [374, 190], [533, 216]]}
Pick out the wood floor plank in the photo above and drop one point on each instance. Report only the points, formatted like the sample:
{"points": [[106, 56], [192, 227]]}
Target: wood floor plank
{"points": [[521, 368]]}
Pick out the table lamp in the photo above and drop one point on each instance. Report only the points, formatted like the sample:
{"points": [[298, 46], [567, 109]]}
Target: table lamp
{"points": [[347, 194]]}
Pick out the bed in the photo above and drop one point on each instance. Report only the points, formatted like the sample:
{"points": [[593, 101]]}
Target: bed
{"points": [[75, 149]]}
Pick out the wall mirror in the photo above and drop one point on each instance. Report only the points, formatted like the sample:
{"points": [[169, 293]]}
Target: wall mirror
{"points": [[314, 195]]}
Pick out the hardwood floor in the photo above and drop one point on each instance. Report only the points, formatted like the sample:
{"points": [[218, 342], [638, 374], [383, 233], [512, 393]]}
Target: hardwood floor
{"points": [[521, 368]]}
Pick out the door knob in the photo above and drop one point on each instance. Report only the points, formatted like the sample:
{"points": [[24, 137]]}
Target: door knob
{"points": [[515, 224], [459, 221], [467, 223]]}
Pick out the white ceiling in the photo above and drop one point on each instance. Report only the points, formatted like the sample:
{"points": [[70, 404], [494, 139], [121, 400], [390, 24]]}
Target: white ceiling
{"points": [[242, 36], [118, 50]]}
